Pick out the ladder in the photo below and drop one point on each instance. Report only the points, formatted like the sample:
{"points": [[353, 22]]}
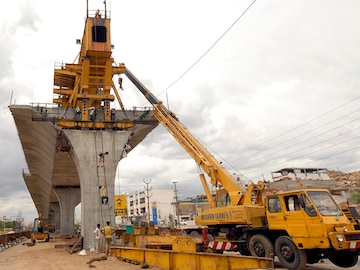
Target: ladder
{"points": [[352, 215], [101, 176]]}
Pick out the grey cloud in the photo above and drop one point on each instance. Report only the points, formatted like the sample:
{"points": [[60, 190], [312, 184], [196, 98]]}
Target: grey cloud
{"points": [[29, 17], [7, 47]]}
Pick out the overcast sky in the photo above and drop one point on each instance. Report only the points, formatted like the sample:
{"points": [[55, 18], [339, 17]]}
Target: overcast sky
{"points": [[277, 87]]}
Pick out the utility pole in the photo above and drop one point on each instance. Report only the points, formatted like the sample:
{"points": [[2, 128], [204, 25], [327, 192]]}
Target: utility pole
{"points": [[147, 189], [3, 220], [177, 205]]}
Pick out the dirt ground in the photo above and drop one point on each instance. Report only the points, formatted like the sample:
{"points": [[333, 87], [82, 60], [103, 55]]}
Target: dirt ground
{"points": [[55, 255], [45, 256]]}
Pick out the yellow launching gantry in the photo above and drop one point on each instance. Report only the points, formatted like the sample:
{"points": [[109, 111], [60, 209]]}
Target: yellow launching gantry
{"points": [[85, 87]]}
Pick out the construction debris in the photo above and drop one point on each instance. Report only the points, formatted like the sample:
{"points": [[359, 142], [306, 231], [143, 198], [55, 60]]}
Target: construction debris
{"points": [[98, 259], [351, 179]]}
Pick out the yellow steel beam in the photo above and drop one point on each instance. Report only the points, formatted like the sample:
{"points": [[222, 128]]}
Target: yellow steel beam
{"points": [[179, 260], [119, 69], [158, 241], [74, 68], [63, 91], [73, 97], [95, 124], [96, 97], [117, 95]]}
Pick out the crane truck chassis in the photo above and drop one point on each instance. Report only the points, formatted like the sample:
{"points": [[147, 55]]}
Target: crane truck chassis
{"points": [[299, 226]]}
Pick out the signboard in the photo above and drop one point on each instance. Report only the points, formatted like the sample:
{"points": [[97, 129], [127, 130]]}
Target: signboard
{"points": [[120, 202], [154, 214]]}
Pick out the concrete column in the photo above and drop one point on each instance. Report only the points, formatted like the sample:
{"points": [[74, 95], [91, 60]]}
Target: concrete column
{"points": [[86, 147], [68, 197], [56, 207], [51, 219]]}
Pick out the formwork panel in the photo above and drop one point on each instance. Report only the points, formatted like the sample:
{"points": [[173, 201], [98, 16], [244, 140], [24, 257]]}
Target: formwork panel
{"points": [[160, 258], [185, 261]]}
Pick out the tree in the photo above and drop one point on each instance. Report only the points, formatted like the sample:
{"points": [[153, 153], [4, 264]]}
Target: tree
{"points": [[355, 196]]}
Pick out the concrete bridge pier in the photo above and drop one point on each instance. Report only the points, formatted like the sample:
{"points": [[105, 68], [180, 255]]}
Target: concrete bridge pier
{"points": [[56, 215], [96, 155], [68, 198]]}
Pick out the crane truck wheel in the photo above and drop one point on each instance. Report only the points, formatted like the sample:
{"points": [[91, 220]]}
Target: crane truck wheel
{"points": [[194, 234], [289, 255], [344, 259], [261, 246]]}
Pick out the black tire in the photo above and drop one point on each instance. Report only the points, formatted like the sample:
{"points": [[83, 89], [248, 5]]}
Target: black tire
{"points": [[242, 246], [344, 259], [289, 255], [261, 246], [194, 234], [210, 238]]}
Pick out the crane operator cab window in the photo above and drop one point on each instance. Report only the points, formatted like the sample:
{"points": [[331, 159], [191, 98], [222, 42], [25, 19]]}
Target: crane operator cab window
{"points": [[325, 203], [292, 203], [222, 198], [307, 205], [98, 33], [274, 205]]}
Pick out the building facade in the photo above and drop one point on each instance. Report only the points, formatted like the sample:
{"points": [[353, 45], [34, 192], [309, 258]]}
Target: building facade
{"points": [[154, 206]]}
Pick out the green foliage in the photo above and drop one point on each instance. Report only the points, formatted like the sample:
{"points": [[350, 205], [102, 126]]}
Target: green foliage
{"points": [[355, 196], [8, 226]]}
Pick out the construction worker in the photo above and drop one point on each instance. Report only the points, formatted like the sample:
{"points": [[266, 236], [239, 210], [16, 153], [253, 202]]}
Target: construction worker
{"points": [[97, 234], [98, 14], [107, 231]]}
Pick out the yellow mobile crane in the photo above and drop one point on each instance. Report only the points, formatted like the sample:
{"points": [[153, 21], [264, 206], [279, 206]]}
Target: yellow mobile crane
{"points": [[300, 226]]}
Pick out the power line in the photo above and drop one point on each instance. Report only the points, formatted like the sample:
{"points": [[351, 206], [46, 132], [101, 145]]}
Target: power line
{"points": [[305, 123], [307, 151], [299, 143], [208, 50], [287, 132]]}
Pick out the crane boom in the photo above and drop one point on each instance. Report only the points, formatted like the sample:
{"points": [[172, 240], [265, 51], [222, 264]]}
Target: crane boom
{"points": [[213, 168]]}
